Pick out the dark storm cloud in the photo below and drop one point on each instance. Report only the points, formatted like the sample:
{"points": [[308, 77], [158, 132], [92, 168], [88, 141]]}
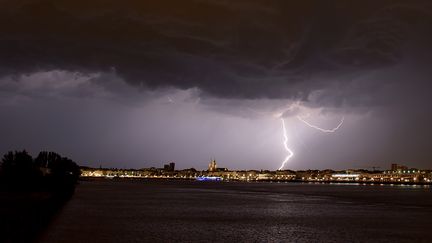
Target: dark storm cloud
{"points": [[141, 81], [241, 49]]}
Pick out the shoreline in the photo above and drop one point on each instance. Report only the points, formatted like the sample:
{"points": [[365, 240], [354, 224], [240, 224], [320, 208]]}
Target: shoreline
{"points": [[427, 184]]}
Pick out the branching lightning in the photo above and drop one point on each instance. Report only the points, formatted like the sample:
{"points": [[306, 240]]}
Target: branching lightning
{"points": [[322, 129], [290, 153], [294, 108]]}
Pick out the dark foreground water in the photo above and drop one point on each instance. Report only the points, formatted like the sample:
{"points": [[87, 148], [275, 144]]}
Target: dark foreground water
{"points": [[173, 211]]}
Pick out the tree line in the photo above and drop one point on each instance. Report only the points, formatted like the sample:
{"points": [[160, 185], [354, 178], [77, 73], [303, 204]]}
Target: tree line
{"points": [[48, 171]]}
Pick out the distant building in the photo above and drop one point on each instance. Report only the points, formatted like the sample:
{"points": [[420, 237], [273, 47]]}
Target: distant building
{"points": [[169, 167], [397, 167], [346, 176], [212, 166]]}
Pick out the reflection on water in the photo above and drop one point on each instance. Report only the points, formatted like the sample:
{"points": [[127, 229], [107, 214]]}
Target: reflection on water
{"points": [[137, 211]]}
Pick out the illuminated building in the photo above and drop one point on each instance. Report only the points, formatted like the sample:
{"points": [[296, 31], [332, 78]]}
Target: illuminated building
{"points": [[346, 177], [212, 166], [215, 173]]}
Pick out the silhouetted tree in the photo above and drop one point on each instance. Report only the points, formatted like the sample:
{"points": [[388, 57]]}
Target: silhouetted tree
{"points": [[62, 174], [18, 166], [7, 161], [48, 171], [46, 159]]}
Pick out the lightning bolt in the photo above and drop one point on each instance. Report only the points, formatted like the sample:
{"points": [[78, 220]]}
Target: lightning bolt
{"points": [[285, 143], [290, 153], [322, 129]]}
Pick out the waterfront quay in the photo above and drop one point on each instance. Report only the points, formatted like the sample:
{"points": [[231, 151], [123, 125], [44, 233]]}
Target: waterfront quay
{"points": [[397, 174]]}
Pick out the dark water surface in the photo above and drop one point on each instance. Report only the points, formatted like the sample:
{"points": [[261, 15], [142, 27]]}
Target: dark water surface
{"points": [[190, 211]]}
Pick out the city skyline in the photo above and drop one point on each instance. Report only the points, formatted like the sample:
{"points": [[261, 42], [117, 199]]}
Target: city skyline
{"points": [[253, 84], [397, 174]]}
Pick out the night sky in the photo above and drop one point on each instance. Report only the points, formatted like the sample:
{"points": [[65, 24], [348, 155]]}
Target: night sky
{"points": [[134, 84]]}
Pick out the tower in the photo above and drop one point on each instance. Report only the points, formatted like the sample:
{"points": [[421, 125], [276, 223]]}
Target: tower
{"points": [[212, 166]]}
